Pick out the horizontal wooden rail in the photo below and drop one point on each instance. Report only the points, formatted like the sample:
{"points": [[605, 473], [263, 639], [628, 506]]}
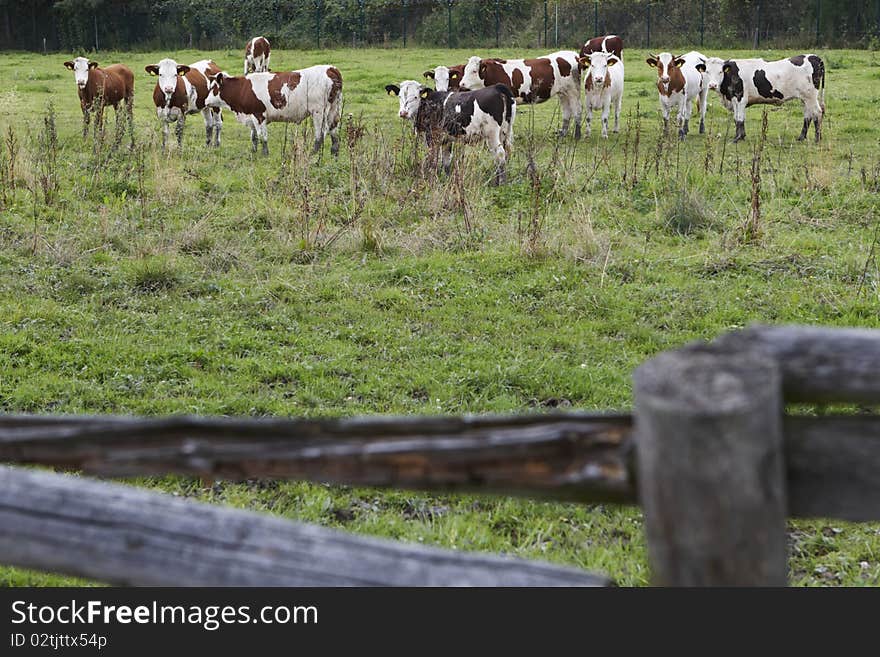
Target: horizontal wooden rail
{"points": [[570, 457], [125, 535], [818, 365], [832, 462]]}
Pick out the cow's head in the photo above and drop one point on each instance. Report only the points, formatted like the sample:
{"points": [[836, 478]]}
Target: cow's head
{"points": [[410, 94], [167, 70], [599, 64], [215, 89], [446, 78], [665, 63], [714, 68], [474, 75], [81, 67]]}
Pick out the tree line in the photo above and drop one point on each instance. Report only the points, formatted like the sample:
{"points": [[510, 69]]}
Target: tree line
{"points": [[88, 25]]}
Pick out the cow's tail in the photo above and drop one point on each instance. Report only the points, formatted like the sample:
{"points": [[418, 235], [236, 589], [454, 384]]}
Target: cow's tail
{"points": [[334, 97], [503, 88], [819, 78]]}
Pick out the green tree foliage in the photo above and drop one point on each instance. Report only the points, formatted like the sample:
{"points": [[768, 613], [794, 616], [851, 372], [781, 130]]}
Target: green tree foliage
{"points": [[140, 24]]}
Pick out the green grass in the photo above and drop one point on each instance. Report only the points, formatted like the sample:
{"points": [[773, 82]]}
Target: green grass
{"points": [[214, 282]]}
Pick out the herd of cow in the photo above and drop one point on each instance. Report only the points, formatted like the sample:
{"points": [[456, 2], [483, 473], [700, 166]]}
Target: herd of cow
{"points": [[472, 102]]}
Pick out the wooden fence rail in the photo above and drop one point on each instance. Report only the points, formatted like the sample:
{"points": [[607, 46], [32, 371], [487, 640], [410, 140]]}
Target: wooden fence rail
{"points": [[709, 453]]}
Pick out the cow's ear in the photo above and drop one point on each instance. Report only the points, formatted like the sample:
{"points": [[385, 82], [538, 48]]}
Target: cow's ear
{"points": [[453, 75], [726, 68], [93, 64], [612, 61], [584, 62], [152, 69], [679, 62], [482, 70], [652, 62], [701, 67], [424, 93], [68, 65], [429, 74], [182, 70], [392, 89]]}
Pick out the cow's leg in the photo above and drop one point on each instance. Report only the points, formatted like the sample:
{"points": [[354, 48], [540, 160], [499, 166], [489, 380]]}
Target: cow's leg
{"points": [[684, 117], [588, 119], [446, 157], [208, 116], [99, 119], [318, 125], [739, 116], [334, 141], [181, 120], [578, 116], [665, 108], [565, 107], [606, 112], [704, 101], [264, 137], [86, 119], [165, 130], [218, 126], [618, 107], [806, 129], [496, 145], [812, 112]]}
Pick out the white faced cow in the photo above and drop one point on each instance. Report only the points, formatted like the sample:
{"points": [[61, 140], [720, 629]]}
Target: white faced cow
{"points": [[681, 81], [533, 81], [484, 115], [256, 55], [99, 87], [182, 90], [259, 99], [446, 78], [604, 88], [742, 83]]}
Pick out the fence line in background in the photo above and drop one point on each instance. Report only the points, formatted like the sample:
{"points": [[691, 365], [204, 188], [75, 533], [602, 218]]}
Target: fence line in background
{"points": [[445, 23]]}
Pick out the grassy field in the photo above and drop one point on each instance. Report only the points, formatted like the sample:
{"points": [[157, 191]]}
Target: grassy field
{"points": [[215, 282]]}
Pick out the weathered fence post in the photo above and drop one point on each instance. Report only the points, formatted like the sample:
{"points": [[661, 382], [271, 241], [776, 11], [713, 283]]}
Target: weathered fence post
{"points": [[449, 23], [702, 23], [405, 19], [711, 467]]}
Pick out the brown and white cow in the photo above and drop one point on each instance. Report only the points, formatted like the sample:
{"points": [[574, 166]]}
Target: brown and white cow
{"points": [[612, 44], [99, 87], [603, 87], [446, 78], [533, 81], [681, 81], [182, 90], [256, 55], [259, 99]]}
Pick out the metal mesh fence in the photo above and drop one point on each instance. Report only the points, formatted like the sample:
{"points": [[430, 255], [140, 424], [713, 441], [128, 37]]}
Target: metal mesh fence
{"points": [[102, 24]]}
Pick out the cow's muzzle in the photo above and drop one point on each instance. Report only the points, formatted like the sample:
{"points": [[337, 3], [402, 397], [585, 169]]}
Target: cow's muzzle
{"points": [[404, 114], [664, 80]]}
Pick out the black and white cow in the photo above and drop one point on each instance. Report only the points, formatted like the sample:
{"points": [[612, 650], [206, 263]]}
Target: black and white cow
{"points": [[742, 83], [483, 115]]}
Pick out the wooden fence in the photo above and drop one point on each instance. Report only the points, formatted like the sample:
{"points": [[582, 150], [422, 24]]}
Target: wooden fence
{"points": [[710, 454]]}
